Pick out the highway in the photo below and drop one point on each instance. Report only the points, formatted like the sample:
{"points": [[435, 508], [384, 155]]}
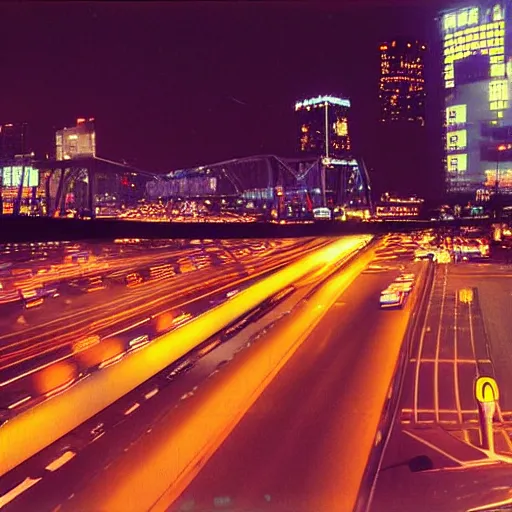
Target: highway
{"points": [[302, 445], [54, 330], [308, 430], [114, 427], [465, 334], [285, 411]]}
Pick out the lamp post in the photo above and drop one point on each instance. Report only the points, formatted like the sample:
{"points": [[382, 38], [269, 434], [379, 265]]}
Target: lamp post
{"points": [[501, 148]]}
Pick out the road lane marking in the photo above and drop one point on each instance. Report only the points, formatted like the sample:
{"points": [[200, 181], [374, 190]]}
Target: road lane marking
{"points": [[19, 489], [19, 402], [60, 461], [443, 411], [151, 394], [452, 361], [134, 407], [438, 346], [456, 365], [472, 335], [420, 350], [434, 447]]}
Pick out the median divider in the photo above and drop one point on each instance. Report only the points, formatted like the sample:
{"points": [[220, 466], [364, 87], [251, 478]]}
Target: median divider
{"points": [[33, 430], [156, 470]]}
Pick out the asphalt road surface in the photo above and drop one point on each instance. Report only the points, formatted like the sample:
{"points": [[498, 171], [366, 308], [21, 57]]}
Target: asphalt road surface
{"points": [[290, 451], [99, 442], [466, 334]]}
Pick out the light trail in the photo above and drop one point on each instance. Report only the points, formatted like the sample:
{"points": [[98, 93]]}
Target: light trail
{"points": [[207, 419], [36, 428], [29, 347]]}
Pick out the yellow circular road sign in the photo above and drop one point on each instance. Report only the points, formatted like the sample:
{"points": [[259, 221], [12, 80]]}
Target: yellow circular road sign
{"points": [[486, 390]]}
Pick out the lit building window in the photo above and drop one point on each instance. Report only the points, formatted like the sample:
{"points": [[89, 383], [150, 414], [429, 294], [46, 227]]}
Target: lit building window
{"points": [[497, 13], [450, 21], [456, 140], [457, 163], [497, 70], [498, 90], [341, 127], [456, 114]]}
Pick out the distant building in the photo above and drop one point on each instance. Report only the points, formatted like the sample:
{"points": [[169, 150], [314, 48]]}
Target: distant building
{"points": [[401, 155], [323, 126], [391, 207], [77, 141], [402, 81], [477, 59], [13, 140]]}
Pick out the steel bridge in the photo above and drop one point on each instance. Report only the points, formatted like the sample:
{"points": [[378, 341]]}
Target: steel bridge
{"points": [[91, 181], [270, 182], [261, 183]]}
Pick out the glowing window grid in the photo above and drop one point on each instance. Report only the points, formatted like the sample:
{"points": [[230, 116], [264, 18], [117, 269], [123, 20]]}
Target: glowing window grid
{"points": [[486, 39]]}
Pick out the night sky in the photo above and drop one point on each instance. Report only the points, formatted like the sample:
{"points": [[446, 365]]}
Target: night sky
{"points": [[177, 84]]}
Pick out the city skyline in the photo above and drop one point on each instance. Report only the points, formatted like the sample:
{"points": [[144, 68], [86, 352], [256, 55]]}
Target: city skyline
{"points": [[156, 102]]}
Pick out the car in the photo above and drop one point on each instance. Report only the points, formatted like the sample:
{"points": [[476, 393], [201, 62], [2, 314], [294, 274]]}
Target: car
{"points": [[391, 298], [404, 286], [405, 278], [33, 302]]}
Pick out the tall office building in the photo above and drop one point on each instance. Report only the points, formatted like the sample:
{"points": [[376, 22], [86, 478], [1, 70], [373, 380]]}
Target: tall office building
{"points": [[477, 53], [323, 126], [77, 141], [402, 81], [13, 140]]}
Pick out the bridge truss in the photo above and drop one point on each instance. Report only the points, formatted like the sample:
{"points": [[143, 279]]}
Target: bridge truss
{"points": [[269, 181]]}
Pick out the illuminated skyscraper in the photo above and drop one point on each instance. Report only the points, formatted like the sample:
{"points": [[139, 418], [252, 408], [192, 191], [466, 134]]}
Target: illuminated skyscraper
{"points": [[402, 81], [323, 126], [477, 48], [13, 140], [78, 141]]}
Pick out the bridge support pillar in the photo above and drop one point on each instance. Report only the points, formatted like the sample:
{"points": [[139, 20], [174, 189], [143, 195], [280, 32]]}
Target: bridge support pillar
{"points": [[90, 190], [58, 196]]}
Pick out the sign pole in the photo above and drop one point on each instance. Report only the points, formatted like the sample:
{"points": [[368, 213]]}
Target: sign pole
{"points": [[487, 395], [486, 413]]}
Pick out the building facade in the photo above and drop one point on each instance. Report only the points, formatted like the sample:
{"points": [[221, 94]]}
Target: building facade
{"points": [[390, 207], [402, 81], [77, 141], [323, 127], [13, 140], [477, 53]]}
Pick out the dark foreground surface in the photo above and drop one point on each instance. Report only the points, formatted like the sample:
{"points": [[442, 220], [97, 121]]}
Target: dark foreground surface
{"points": [[34, 229]]}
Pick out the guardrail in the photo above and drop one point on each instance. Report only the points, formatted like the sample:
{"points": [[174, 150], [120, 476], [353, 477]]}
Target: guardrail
{"points": [[391, 407], [37, 428]]}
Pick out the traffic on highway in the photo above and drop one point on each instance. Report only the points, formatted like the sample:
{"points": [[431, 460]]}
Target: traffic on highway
{"points": [[254, 374]]}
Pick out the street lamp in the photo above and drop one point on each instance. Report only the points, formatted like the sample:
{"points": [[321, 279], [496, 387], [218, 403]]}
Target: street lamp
{"points": [[501, 147]]}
